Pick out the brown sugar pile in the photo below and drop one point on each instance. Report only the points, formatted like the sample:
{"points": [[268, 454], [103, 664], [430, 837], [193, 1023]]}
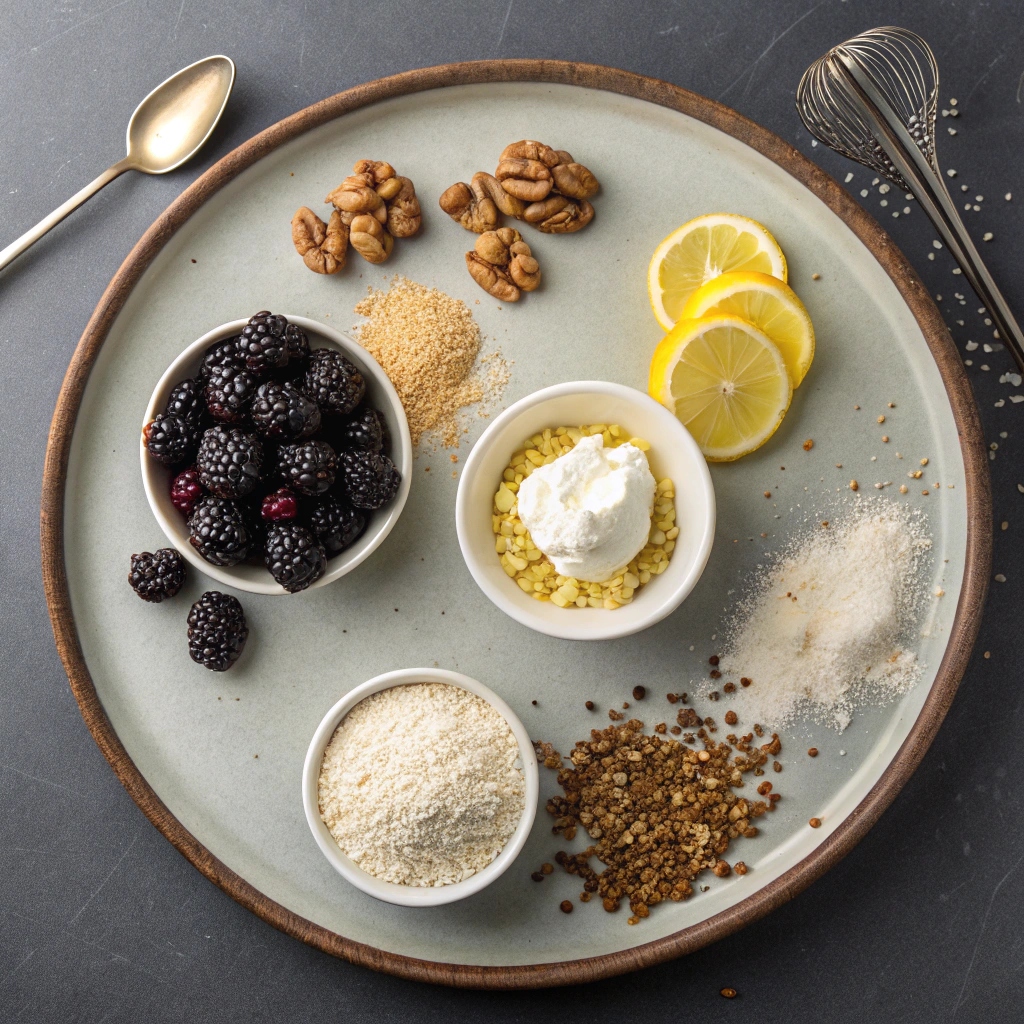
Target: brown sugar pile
{"points": [[428, 344], [659, 812]]}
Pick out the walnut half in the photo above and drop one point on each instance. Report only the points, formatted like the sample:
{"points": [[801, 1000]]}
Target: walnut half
{"points": [[323, 247], [503, 265], [559, 215]]}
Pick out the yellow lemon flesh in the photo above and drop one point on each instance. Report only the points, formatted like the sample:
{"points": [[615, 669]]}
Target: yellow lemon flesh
{"points": [[768, 304], [703, 248], [725, 380]]}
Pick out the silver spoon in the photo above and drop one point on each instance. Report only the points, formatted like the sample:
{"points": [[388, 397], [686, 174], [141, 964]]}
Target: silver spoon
{"points": [[873, 99], [168, 127]]}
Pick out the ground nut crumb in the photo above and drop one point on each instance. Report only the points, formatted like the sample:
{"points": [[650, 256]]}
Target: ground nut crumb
{"points": [[658, 813], [428, 344]]}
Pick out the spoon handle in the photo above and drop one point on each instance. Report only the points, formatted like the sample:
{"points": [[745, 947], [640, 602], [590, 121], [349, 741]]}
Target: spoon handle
{"points": [[930, 191], [18, 246]]}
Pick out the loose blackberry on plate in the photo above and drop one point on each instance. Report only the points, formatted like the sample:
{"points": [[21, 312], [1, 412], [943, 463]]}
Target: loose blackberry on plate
{"points": [[170, 439], [279, 506], [229, 461], [218, 531], [294, 556], [336, 524], [363, 429], [186, 400], [218, 355], [333, 382], [186, 490], [308, 467], [217, 631], [367, 479], [283, 412], [263, 343], [155, 575], [229, 392]]}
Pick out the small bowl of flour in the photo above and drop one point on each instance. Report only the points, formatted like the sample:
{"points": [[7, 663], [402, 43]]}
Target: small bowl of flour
{"points": [[420, 787]]}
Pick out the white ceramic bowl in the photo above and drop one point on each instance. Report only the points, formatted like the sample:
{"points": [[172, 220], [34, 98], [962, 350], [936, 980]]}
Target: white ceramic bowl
{"points": [[391, 892], [673, 454], [380, 393]]}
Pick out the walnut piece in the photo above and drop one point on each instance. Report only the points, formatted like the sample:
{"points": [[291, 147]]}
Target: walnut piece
{"points": [[470, 206], [356, 194], [527, 166], [369, 239], [502, 264], [559, 215], [529, 180], [574, 180], [505, 202], [374, 198], [528, 149], [404, 213], [380, 170], [323, 247]]}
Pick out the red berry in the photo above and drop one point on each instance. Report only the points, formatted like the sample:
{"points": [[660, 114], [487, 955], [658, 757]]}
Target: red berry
{"points": [[279, 506], [186, 491]]}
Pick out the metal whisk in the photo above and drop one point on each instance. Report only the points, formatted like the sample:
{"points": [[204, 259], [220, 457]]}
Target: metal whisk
{"points": [[873, 99]]}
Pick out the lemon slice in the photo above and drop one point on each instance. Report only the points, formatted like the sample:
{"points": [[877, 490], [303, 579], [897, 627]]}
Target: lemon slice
{"points": [[703, 248], [725, 380], [767, 303]]}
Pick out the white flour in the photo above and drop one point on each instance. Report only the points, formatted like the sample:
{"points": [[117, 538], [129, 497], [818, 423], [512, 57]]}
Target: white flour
{"points": [[827, 626], [422, 784]]}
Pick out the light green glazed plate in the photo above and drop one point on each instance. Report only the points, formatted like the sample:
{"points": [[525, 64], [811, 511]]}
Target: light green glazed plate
{"points": [[216, 760]]}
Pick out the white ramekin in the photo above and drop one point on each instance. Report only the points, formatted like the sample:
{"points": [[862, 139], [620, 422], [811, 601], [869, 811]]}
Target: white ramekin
{"points": [[673, 454], [380, 393], [391, 892]]}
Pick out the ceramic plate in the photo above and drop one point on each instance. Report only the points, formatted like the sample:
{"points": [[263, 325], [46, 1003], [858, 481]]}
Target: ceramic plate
{"points": [[216, 760]]}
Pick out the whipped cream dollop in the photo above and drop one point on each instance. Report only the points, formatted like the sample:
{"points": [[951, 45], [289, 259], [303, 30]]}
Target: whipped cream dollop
{"points": [[590, 510]]}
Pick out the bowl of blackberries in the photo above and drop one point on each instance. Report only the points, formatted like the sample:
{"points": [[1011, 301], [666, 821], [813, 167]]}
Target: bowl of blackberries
{"points": [[276, 454]]}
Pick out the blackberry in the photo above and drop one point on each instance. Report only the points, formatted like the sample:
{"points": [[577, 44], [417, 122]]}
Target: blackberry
{"points": [[229, 461], [170, 439], [294, 556], [229, 391], [186, 401], [279, 506], [263, 343], [308, 467], [282, 411], [336, 524], [218, 355], [333, 382], [298, 347], [186, 490], [155, 575], [367, 479], [216, 631], [364, 429], [218, 531]]}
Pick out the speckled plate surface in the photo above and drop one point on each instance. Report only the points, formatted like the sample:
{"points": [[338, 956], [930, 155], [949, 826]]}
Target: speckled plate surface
{"points": [[216, 760]]}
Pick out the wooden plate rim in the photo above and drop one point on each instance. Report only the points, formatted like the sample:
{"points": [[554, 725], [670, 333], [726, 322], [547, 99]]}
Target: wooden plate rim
{"points": [[962, 634]]}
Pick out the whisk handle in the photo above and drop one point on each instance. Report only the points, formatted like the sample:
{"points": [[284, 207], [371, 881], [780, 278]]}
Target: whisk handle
{"points": [[930, 191]]}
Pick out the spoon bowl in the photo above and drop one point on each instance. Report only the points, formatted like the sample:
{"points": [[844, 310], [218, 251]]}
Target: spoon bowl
{"points": [[174, 121]]}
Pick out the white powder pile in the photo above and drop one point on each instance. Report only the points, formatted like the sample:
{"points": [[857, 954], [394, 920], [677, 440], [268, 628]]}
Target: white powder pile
{"points": [[422, 784], [826, 627]]}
